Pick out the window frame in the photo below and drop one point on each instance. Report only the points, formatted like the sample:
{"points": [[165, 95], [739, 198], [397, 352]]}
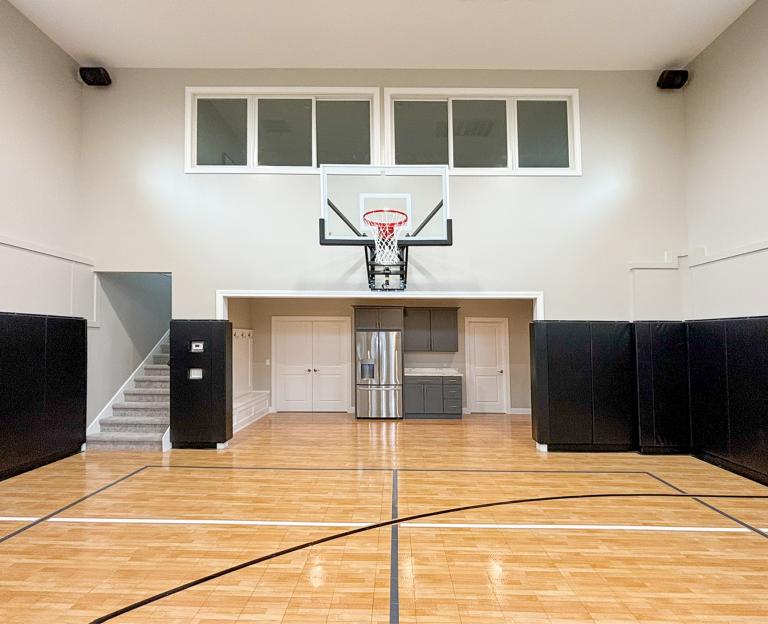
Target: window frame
{"points": [[252, 96], [511, 96]]}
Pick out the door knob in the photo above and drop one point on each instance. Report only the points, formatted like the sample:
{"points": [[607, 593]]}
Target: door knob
{"points": [[314, 369], [501, 371], [309, 370]]}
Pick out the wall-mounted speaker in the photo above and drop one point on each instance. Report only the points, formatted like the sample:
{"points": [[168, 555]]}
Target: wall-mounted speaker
{"points": [[672, 79], [95, 76]]}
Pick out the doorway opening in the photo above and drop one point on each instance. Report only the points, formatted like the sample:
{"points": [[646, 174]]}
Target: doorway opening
{"points": [[293, 352]]}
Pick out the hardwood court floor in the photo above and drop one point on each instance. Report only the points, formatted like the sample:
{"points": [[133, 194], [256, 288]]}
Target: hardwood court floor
{"points": [[292, 478]]}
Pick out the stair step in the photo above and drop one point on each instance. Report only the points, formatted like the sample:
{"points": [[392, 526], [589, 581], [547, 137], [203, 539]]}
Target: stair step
{"points": [[143, 408], [165, 348], [157, 370], [135, 424], [148, 381], [147, 395], [124, 441], [160, 358]]}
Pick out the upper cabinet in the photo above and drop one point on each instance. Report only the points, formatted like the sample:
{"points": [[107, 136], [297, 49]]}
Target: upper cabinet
{"points": [[379, 318], [431, 329]]}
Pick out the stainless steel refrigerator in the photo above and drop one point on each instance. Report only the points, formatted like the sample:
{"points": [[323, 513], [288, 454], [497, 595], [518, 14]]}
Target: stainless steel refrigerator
{"points": [[379, 376]]}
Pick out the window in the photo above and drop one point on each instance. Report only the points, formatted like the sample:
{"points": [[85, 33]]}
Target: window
{"points": [[280, 129], [503, 131], [421, 133], [542, 133], [222, 125]]}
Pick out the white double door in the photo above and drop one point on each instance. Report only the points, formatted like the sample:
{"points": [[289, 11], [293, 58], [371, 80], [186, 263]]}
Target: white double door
{"points": [[311, 363]]}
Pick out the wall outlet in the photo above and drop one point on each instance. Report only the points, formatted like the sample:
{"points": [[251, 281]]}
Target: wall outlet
{"points": [[267, 362]]}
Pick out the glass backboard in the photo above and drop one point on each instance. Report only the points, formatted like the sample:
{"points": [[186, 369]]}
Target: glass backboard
{"points": [[350, 191]]}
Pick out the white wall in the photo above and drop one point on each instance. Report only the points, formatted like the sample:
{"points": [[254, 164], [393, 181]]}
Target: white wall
{"points": [[133, 312], [40, 212], [571, 237], [726, 145]]}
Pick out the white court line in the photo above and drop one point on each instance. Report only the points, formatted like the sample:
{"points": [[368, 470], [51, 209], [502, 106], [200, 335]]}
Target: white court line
{"points": [[412, 525]]}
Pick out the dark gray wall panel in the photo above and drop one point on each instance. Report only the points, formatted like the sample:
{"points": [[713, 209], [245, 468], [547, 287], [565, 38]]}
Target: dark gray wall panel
{"points": [[747, 353], [613, 384], [539, 382], [708, 387], [42, 390], [570, 383]]}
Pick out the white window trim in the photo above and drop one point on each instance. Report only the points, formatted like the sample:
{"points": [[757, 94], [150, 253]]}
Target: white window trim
{"points": [[511, 95], [252, 94]]}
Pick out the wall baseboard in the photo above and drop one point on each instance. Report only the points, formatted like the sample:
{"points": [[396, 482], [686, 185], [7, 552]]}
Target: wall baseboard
{"points": [[759, 477]]}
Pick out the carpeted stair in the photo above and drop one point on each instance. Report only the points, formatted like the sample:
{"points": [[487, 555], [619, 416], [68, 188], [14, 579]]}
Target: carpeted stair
{"points": [[139, 422]]}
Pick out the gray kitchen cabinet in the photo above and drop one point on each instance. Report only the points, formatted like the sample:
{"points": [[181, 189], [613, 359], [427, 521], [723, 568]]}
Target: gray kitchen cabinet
{"points": [[416, 336], [431, 329], [379, 318], [444, 330], [413, 398], [432, 397]]}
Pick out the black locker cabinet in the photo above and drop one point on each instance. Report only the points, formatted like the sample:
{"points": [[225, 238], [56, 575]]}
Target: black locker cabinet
{"points": [[201, 383]]}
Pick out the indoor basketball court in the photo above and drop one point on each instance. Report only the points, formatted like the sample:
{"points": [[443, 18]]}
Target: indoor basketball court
{"points": [[300, 323]]}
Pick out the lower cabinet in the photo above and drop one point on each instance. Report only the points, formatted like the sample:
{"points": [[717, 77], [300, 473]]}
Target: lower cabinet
{"points": [[432, 397]]}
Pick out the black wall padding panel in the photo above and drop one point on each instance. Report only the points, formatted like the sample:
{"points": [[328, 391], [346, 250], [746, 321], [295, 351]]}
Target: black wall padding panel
{"points": [[662, 386], [747, 366], [613, 384], [708, 387], [570, 383], [583, 385], [43, 374], [201, 409]]}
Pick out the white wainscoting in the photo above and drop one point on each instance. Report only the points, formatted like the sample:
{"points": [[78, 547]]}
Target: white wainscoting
{"points": [[248, 405]]}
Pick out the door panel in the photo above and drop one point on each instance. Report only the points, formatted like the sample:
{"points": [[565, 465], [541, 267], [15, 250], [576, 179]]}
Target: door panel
{"points": [[414, 398], [391, 318], [417, 332], [366, 318], [293, 365], [444, 330], [433, 398], [330, 368], [486, 365], [389, 366]]}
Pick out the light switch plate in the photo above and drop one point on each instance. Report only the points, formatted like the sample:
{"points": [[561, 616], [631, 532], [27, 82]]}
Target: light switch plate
{"points": [[197, 346], [195, 373]]}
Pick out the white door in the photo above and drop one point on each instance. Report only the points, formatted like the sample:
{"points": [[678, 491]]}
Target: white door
{"points": [[311, 364], [330, 366], [487, 375], [293, 365]]}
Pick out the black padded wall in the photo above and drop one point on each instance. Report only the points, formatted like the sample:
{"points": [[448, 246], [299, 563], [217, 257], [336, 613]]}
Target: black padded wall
{"points": [[43, 376], [729, 393], [709, 388], [583, 385], [201, 409], [661, 352]]}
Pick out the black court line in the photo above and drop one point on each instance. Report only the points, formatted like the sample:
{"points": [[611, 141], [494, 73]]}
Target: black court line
{"points": [[397, 521], [712, 507], [394, 545], [26, 527]]}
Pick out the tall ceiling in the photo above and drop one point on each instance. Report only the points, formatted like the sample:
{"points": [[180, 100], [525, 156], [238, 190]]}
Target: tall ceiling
{"points": [[493, 34]]}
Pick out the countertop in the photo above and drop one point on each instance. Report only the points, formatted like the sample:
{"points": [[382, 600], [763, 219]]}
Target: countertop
{"points": [[432, 372]]}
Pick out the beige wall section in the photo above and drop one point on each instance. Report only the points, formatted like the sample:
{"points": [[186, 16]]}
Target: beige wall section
{"points": [[518, 312], [133, 312], [570, 237], [726, 139], [40, 112]]}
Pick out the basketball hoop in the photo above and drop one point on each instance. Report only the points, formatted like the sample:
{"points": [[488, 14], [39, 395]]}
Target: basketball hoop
{"points": [[385, 225]]}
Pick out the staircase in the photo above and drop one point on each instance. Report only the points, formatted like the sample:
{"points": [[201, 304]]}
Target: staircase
{"points": [[140, 420]]}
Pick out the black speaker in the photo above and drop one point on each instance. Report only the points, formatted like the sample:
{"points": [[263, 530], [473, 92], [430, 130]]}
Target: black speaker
{"points": [[672, 79], [95, 76]]}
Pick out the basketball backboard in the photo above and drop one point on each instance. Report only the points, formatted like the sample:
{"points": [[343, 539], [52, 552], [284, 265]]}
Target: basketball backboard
{"points": [[350, 191]]}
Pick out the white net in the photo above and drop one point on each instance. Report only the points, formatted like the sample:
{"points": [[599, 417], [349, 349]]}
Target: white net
{"points": [[385, 226]]}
